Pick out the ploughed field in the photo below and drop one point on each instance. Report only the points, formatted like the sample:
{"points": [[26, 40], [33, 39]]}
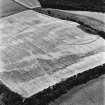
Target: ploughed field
{"points": [[37, 51]]}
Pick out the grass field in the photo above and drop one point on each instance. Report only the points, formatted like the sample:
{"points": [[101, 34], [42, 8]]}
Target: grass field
{"points": [[92, 93], [8, 7]]}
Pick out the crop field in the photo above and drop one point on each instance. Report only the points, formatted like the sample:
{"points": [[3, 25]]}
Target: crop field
{"points": [[36, 47]]}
